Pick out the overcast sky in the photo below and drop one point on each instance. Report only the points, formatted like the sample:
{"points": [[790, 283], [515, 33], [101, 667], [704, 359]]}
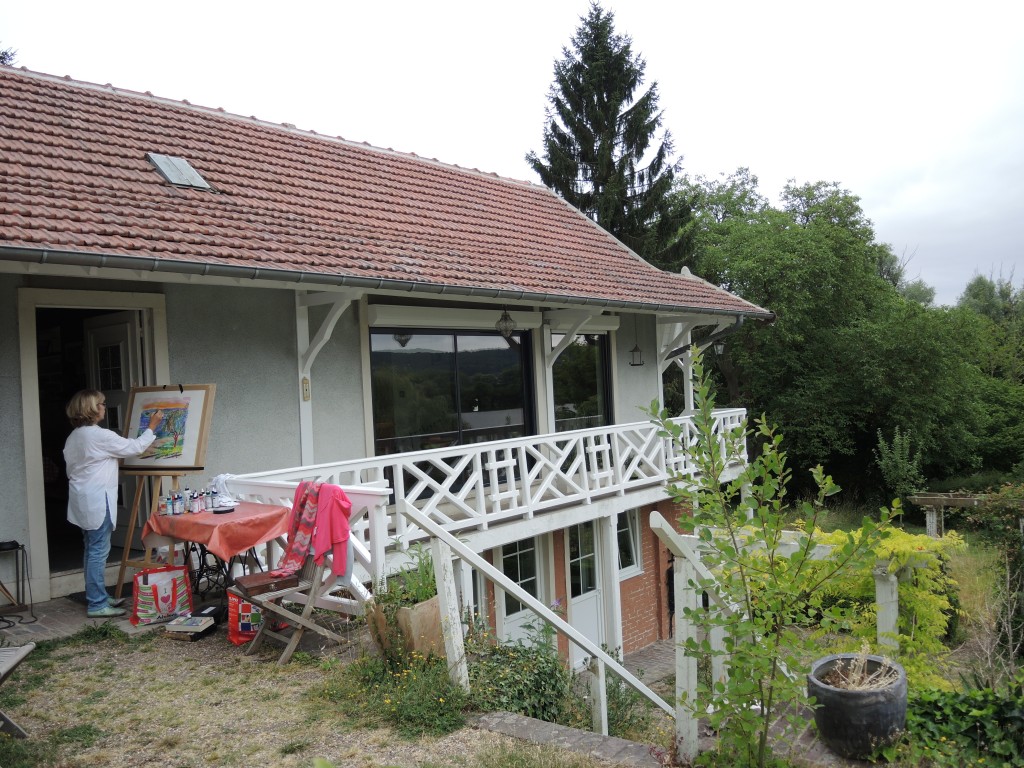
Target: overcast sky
{"points": [[916, 107]]}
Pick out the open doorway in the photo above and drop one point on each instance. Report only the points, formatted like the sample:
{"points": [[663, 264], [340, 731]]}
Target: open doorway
{"points": [[76, 349]]}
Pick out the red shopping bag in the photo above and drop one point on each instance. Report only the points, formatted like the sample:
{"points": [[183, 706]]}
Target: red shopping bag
{"points": [[244, 620], [160, 594]]}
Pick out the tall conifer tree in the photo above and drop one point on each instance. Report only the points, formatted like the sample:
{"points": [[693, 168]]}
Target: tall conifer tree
{"points": [[601, 152]]}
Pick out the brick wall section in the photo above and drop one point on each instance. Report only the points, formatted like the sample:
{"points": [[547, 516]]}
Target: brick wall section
{"points": [[645, 616], [644, 600], [561, 596]]}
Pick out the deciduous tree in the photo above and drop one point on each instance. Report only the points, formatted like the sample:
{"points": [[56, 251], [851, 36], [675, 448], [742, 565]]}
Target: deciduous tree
{"points": [[848, 354]]}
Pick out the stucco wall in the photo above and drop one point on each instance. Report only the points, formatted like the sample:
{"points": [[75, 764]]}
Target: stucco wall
{"points": [[14, 499], [337, 389], [244, 341], [635, 386]]}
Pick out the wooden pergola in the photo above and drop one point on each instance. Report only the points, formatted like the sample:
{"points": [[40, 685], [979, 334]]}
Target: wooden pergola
{"points": [[935, 506]]}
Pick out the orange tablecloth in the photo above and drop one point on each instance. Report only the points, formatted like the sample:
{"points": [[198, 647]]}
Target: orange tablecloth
{"points": [[227, 534]]}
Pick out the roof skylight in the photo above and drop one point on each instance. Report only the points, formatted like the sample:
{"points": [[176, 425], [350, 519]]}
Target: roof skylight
{"points": [[178, 171]]}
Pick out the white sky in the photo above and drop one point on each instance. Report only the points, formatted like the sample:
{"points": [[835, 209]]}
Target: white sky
{"points": [[916, 107]]}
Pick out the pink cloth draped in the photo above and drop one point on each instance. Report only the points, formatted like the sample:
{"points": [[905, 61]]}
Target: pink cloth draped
{"points": [[319, 520]]}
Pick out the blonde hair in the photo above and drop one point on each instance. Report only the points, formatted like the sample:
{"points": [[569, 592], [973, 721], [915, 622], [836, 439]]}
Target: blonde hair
{"points": [[84, 408]]}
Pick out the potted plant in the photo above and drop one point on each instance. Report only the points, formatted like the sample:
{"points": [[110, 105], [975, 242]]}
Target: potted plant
{"points": [[860, 702]]}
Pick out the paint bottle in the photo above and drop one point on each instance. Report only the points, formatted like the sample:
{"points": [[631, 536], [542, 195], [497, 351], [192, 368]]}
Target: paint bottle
{"points": [[179, 504], [162, 506]]}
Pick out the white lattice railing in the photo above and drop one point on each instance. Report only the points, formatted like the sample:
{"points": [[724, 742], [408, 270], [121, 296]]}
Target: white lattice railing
{"points": [[476, 486]]}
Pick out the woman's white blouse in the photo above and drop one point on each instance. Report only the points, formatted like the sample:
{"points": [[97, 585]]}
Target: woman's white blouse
{"points": [[91, 455]]}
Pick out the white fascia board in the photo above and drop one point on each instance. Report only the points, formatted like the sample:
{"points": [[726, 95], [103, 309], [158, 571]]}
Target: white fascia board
{"points": [[563, 320], [394, 315]]}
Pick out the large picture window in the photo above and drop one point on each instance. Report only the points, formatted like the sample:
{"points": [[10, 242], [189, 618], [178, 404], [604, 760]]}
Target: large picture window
{"points": [[580, 380], [434, 389]]}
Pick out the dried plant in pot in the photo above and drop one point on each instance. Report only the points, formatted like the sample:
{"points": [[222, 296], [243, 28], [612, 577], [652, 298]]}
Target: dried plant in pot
{"points": [[860, 702]]}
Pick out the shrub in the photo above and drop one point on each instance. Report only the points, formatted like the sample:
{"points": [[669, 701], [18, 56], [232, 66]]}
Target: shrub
{"points": [[928, 612], [525, 677], [900, 464], [771, 574], [403, 589], [978, 727]]}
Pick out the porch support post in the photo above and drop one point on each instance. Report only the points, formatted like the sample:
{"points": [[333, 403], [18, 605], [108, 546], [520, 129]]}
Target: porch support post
{"points": [[451, 621], [598, 699], [305, 402], [683, 361], [308, 349], [608, 553], [687, 597]]}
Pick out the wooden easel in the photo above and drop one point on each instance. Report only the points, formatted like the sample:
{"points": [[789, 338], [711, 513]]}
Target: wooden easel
{"points": [[156, 488]]}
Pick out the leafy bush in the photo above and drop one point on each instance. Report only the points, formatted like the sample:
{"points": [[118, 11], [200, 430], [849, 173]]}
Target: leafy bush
{"points": [[403, 589], [900, 464], [525, 677], [977, 727], [628, 713], [928, 611], [996, 516], [773, 574]]}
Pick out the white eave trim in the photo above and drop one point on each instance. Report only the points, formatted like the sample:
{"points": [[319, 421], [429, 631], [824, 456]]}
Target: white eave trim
{"points": [[394, 315]]}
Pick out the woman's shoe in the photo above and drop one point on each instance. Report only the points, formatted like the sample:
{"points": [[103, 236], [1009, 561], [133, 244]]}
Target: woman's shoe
{"points": [[107, 612], [115, 602]]}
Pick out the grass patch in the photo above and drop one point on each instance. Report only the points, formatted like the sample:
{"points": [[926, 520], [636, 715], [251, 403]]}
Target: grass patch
{"points": [[532, 756]]}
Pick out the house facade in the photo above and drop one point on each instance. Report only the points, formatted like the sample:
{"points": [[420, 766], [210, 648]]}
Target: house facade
{"points": [[470, 342]]}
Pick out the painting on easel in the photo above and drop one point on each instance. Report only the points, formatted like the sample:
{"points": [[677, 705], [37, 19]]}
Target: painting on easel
{"points": [[181, 437]]}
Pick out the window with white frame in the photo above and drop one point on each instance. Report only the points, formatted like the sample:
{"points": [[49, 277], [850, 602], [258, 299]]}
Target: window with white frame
{"points": [[628, 533]]}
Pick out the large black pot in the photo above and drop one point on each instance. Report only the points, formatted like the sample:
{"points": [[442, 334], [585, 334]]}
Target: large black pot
{"points": [[854, 723]]}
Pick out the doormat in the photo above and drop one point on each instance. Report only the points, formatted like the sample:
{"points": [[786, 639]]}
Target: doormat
{"points": [[126, 593]]}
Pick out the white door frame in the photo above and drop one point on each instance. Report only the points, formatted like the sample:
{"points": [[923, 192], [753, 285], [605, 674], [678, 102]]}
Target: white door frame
{"points": [[542, 557], [154, 333], [593, 601]]}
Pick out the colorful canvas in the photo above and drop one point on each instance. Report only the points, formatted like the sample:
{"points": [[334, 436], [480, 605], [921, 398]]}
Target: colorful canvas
{"points": [[181, 436], [172, 431]]}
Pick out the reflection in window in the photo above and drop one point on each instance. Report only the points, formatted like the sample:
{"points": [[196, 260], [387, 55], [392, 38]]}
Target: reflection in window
{"points": [[628, 535], [441, 389], [580, 383], [519, 563], [582, 560], [109, 367]]}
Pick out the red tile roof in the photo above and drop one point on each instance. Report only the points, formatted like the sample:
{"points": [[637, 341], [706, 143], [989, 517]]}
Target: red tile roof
{"points": [[74, 179]]}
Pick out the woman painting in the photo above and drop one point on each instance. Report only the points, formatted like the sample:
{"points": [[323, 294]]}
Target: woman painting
{"points": [[91, 453]]}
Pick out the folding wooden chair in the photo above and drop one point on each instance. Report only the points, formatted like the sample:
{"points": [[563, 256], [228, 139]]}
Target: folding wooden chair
{"points": [[10, 658], [303, 595]]}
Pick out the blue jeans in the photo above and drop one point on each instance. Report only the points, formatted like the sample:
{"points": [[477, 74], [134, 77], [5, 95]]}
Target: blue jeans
{"points": [[97, 547]]}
